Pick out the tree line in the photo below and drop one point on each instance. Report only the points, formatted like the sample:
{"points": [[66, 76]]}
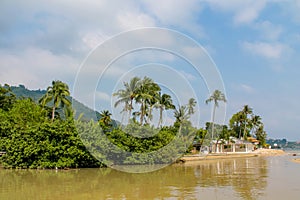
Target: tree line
{"points": [[45, 134]]}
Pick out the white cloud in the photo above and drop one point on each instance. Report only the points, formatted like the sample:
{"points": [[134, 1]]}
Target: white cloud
{"points": [[172, 11], [244, 12], [36, 68], [177, 13], [291, 9], [129, 20], [93, 39], [102, 96], [247, 88], [266, 50], [56, 36], [269, 30], [187, 75], [249, 13]]}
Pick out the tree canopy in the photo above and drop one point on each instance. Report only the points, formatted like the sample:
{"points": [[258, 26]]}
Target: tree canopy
{"points": [[35, 135]]}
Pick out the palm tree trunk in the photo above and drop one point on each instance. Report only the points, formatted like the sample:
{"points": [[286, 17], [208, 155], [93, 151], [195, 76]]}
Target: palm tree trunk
{"points": [[160, 117], [130, 109], [213, 122], [122, 119], [244, 130], [149, 115], [142, 113], [53, 113]]}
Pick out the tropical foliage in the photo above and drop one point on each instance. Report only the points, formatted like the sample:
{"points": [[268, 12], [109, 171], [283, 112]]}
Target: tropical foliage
{"points": [[244, 124], [46, 134], [6, 97], [32, 141], [58, 93], [146, 94]]}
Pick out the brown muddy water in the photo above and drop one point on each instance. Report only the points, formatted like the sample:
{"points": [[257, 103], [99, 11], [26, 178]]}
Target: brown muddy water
{"points": [[241, 178]]}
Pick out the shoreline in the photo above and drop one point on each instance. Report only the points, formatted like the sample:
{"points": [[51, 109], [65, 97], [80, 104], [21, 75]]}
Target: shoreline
{"points": [[220, 156], [296, 160], [217, 156]]}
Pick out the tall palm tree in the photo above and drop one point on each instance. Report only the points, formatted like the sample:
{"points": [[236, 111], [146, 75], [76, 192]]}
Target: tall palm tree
{"points": [[246, 111], [127, 95], [256, 122], [191, 106], [181, 115], [215, 97], [241, 120], [164, 103], [59, 93], [123, 98], [105, 117], [146, 92]]}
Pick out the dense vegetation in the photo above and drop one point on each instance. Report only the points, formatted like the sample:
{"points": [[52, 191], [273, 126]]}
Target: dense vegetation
{"points": [[31, 140], [22, 92], [42, 132]]}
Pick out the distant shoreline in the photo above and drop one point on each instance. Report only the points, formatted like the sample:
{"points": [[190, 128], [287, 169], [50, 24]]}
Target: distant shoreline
{"points": [[217, 156]]}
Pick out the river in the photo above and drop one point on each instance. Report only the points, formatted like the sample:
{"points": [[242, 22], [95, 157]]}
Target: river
{"points": [[242, 178]]}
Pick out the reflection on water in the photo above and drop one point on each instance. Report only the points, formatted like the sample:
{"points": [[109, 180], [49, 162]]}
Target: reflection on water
{"points": [[247, 177], [244, 178]]}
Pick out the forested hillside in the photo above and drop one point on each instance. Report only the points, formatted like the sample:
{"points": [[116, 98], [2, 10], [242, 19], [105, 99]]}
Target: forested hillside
{"points": [[22, 92]]}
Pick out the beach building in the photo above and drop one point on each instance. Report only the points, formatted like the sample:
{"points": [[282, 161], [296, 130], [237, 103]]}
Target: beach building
{"points": [[234, 145]]}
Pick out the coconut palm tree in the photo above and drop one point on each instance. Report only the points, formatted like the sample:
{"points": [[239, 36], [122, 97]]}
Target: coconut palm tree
{"points": [[246, 111], [105, 117], [127, 95], [181, 115], [215, 97], [164, 103], [241, 119], [146, 92], [191, 106], [256, 122], [59, 93]]}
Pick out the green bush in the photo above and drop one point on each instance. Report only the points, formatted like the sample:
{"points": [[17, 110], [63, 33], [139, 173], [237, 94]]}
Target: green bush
{"points": [[31, 140]]}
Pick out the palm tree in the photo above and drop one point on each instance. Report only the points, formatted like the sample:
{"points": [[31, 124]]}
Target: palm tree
{"points": [[240, 118], [191, 106], [256, 122], [146, 92], [164, 103], [181, 114], [127, 95], [59, 93], [215, 97], [246, 111], [105, 117]]}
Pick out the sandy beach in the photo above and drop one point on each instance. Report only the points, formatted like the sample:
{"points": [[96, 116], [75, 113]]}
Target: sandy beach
{"points": [[216, 156], [297, 160], [269, 152]]}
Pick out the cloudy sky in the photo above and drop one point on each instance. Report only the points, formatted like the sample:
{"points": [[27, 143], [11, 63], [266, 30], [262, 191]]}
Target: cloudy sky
{"points": [[254, 45]]}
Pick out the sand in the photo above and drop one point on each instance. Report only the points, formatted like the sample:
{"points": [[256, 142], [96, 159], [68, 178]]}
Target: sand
{"points": [[297, 160], [258, 152], [269, 152]]}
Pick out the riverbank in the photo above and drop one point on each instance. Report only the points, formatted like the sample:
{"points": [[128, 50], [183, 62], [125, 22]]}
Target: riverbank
{"points": [[217, 156], [270, 152], [297, 160]]}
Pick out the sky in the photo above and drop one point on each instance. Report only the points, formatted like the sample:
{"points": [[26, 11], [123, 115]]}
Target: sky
{"points": [[251, 47]]}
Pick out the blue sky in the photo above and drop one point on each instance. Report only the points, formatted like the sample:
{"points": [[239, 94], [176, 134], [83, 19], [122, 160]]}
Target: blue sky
{"points": [[254, 44]]}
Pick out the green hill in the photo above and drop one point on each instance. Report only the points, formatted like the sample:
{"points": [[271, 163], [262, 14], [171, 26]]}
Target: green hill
{"points": [[22, 92]]}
